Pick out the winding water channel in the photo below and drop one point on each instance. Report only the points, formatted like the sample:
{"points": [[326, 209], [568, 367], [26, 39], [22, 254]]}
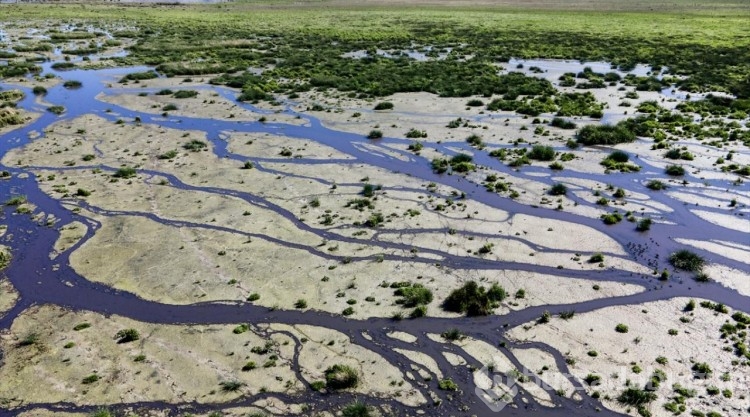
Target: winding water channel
{"points": [[41, 280]]}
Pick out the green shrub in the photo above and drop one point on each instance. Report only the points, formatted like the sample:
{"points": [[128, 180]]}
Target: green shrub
{"points": [[542, 153], [419, 311], [356, 409], [341, 377], [413, 295], [447, 385], [636, 397], [168, 155], [701, 370], [558, 189], [592, 380], [453, 335], [621, 328], [561, 123], [127, 335], [16, 200], [181, 94], [475, 140], [605, 135], [384, 105], [415, 134], [675, 170], [195, 145], [90, 379], [686, 260], [29, 339], [242, 328], [375, 134], [125, 173], [656, 185], [72, 84], [644, 224], [473, 300], [58, 110], [611, 218], [231, 386]]}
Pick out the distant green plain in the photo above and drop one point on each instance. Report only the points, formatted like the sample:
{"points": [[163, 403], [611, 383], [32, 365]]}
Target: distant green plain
{"points": [[707, 42]]}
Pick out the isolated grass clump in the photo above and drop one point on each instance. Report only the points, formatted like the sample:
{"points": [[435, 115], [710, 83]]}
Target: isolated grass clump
{"points": [[138, 76], [561, 123], [541, 153], [453, 335], [596, 258], [674, 170], [194, 145], [181, 94], [357, 409], [231, 386], [687, 261], [447, 385], [127, 335], [375, 134], [384, 105], [618, 160], [16, 200], [458, 163], [474, 300], [636, 396], [558, 189], [341, 377], [611, 218], [413, 295], [644, 224], [605, 135], [58, 110], [125, 173], [72, 84], [656, 185]]}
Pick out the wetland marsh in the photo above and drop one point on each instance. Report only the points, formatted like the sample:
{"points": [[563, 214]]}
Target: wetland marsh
{"points": [[272, 209]]}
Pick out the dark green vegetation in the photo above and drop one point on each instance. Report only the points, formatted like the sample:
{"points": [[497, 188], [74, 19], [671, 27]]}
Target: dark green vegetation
{"points": [[127, 335], [605, 134], [474, 300], [459, 163], [708, 46], [618, 160], [341, 377], [687, 260]]}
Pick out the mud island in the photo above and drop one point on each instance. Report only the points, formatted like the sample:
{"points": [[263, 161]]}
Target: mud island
{"points": [[255, 208]]}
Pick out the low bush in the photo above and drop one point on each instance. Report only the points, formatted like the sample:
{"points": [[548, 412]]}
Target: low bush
{"points": [[558, 189], [341, 377], [687, 260], [127, 335], [605, 135], [473, 299], [541, 153], [674, 170], [384, 105]]}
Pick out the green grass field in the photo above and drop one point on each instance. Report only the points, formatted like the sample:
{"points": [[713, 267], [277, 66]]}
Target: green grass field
{"points": [[707, 41]]}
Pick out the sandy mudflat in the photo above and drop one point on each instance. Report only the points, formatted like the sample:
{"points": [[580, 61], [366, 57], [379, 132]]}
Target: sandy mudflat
{"points": [[696, 339]]}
